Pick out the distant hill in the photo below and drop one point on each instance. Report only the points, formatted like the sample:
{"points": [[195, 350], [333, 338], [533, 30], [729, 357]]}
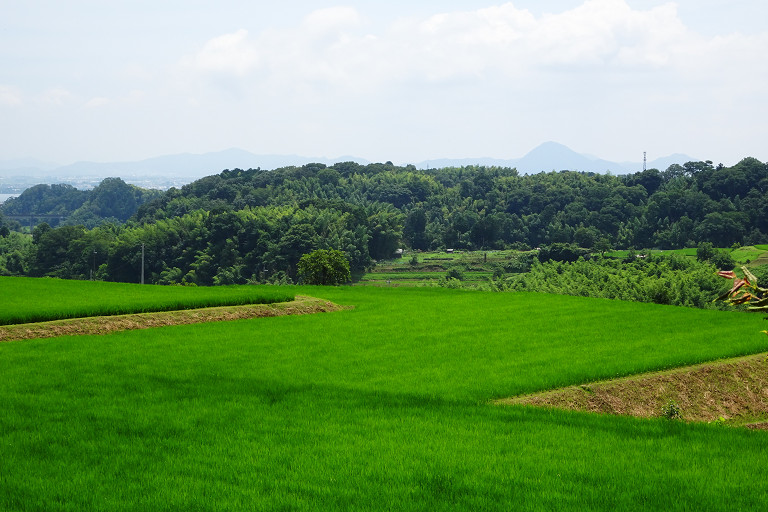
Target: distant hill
{"points": [[113, 200], [185, 164], [662, 163], [552, 156], [175, 170], [160, 172], [26, 163], [197, 165]]}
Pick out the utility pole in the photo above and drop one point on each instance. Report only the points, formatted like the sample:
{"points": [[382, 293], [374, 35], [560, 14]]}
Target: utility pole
{"points": [[142, 263]]}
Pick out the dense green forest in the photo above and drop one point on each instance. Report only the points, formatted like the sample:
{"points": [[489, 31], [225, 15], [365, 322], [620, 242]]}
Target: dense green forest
{"points": [[254, 225], [113, 201]]}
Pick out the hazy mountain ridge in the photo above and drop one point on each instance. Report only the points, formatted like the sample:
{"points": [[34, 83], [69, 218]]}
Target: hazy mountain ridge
{"points": [[552, 156], [549, 156]]}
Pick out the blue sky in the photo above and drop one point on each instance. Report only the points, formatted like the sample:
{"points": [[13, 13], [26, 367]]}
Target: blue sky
{"points": [[127, 80]]}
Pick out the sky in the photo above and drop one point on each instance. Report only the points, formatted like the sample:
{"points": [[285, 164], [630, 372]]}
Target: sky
{"points": [[403, 81]]}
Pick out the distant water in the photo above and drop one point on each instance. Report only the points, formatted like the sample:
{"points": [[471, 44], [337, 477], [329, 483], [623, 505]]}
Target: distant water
{"points": [[3, 197]]}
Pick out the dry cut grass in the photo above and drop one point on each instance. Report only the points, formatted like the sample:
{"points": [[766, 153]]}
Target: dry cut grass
{"points": [[734, 390], [302, 305]]}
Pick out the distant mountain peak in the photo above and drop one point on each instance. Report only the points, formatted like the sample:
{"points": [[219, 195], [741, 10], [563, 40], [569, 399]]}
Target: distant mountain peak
{"points": [[554, 156], [552, 149], [551, 145], [185, 167]]}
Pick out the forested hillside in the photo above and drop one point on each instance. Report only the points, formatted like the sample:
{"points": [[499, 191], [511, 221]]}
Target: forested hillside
{"points": [[254, 225], [112, 201]]}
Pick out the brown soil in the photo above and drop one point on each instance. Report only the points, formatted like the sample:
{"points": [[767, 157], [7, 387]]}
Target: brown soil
{"points": [[734, 390], [106, 324]]}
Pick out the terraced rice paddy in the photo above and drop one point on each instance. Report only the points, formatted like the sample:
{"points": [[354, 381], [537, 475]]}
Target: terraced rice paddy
{"points": [[383, 406], [36, 300]]}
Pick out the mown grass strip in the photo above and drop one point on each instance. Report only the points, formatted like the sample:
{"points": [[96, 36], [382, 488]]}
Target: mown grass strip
{"points": [[729, 390], [27, 300]]}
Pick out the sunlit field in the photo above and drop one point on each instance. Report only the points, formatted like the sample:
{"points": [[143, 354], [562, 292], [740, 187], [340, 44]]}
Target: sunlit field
{"points": [[34, 300], [383, 406]]}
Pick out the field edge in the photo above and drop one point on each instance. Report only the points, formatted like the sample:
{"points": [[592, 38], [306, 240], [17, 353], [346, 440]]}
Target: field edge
{"points": [[731, 391], [302, 305]]}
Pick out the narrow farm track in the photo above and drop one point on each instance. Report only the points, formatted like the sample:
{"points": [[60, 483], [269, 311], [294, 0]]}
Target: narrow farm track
{"points": [[730, 390], [303, 305]]}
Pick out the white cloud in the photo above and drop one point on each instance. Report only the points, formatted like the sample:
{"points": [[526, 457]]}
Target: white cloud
{"points": [[98, 101], [602, 62], [331, 21], [10, 96], [330, 46], [56, 96], [228, 53], [316, 48], [488, 80], [599, 34]]}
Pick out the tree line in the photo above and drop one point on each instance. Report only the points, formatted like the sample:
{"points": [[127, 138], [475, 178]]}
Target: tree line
{"points": [[111, 202], [254, 225]]}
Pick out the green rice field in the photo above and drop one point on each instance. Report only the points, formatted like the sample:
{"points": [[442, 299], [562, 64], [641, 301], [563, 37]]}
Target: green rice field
{"points": [[35, 300], [477, 267], [418, 277], [741, 255], [385, 406], [689, 252], [747, 254], [430, 267]]}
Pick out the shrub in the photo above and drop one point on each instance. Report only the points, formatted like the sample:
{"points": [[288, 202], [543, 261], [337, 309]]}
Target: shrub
{"points": [[562, 252], [455, 273], [519, 263], [671, 410], [722, 260], [324, 267], [705, 251], [450, 282]]}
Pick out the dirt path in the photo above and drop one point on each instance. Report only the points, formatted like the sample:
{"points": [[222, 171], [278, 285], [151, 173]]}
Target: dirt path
{"points": [[106, 324], [735, 390]]}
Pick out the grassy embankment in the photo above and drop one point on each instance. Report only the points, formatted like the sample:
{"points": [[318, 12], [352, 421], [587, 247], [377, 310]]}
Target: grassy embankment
{"points": [[382, 407]]}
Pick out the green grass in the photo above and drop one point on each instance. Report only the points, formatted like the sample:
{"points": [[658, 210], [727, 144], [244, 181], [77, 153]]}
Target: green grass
{"points": [[381, 407], [476, 266], [419, 277], [747, 254], [741, 255], [405, 275], [689, 252], [443, 258], [36, 300]]}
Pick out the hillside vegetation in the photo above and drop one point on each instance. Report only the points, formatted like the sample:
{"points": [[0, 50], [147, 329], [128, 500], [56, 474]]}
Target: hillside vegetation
{"points": [[112, 201], [253, 225]]}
